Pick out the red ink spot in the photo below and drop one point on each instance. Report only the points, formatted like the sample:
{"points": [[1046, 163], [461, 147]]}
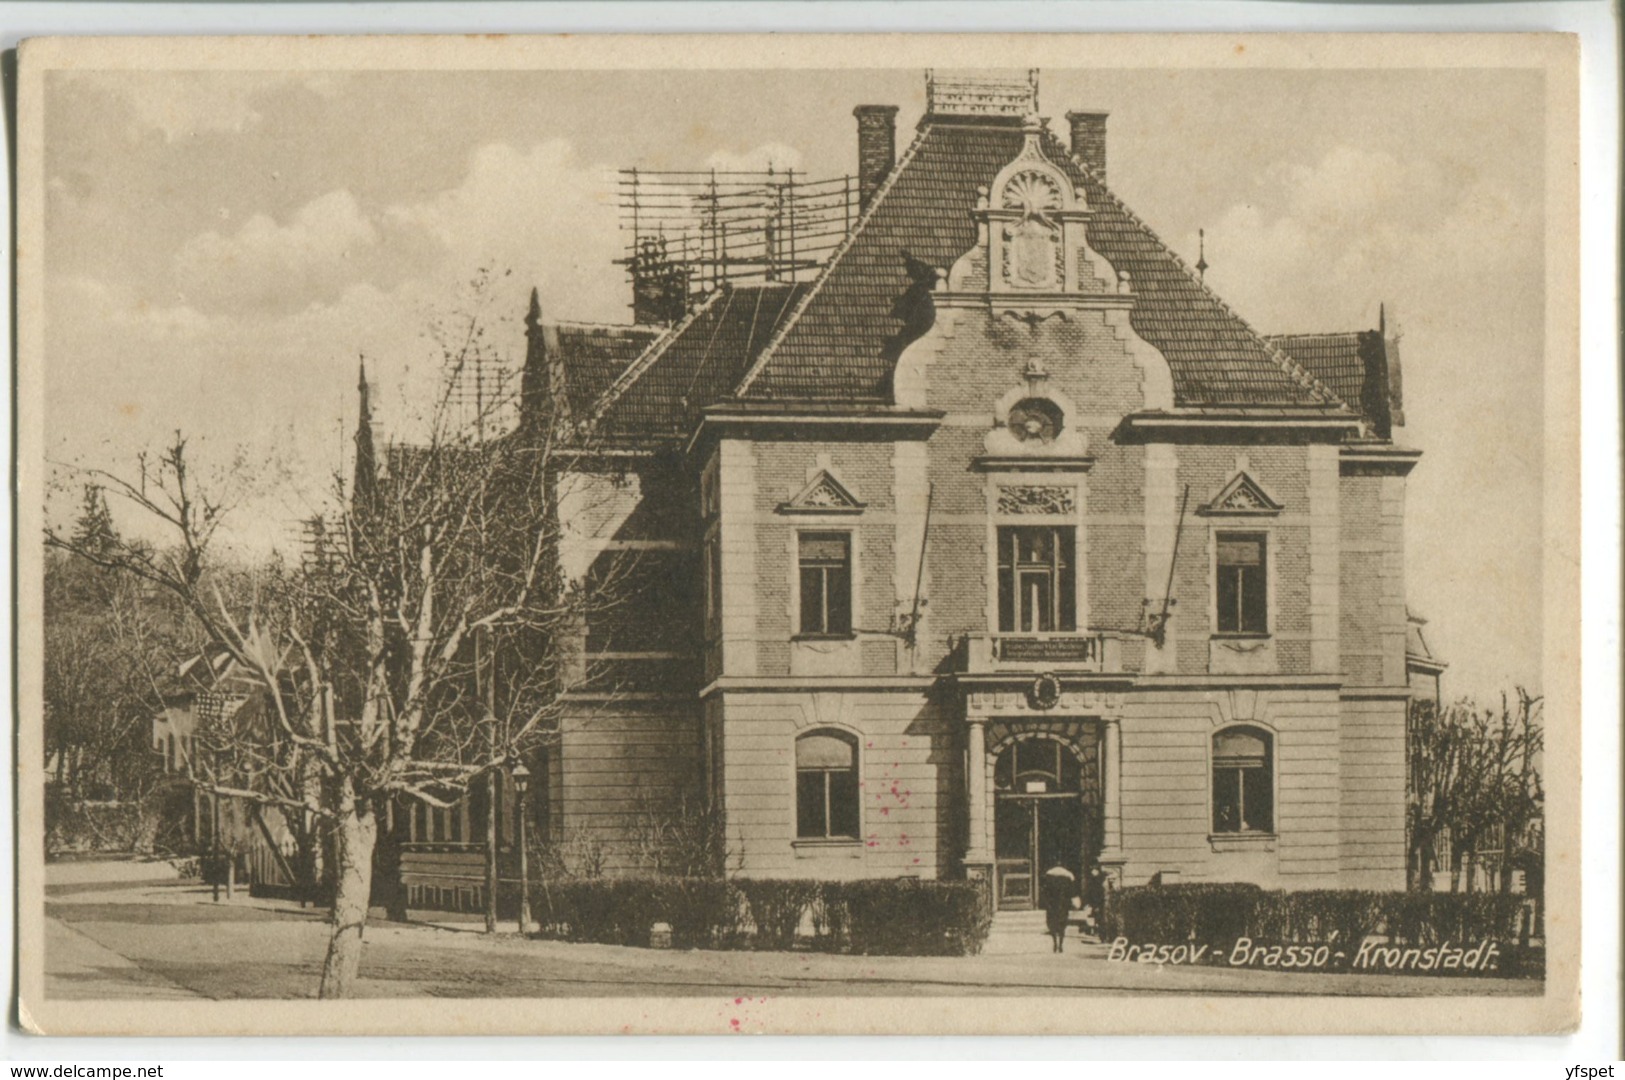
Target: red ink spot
{"points": [[739, 1001], [735, 1024]]}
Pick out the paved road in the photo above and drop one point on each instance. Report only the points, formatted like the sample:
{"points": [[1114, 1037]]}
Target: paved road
{"points": [[162, 938]]}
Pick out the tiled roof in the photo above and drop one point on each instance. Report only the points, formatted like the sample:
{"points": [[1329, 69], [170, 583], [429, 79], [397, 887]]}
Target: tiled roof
{"points": [[594, 356], [1334, 359], [696, 363], [843, 342]]}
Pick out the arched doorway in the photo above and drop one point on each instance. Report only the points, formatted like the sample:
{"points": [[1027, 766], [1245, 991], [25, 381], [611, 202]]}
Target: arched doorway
{"points": [[1042, 816]]}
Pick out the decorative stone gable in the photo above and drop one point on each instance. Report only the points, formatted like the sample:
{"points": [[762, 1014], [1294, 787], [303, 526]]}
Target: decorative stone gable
{"points": [[1241, 497], [1034, 255], [1032, 258], [823, 495]]}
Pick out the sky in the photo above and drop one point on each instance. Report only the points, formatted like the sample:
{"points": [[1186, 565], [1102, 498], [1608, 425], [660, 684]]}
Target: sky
{"points": [[222, 247]]}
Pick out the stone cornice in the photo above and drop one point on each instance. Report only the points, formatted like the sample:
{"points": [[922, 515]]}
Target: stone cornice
{"points": [[837, 422], [1226, 424], [1028, 463], [1377, 460]]}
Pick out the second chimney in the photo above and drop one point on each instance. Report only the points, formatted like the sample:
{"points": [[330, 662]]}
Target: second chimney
{"points": [[877, 148], [1089, 138]]}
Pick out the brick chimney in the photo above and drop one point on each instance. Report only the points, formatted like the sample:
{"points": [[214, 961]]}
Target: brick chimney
{"points": [[877, 148], [1089, 138]]}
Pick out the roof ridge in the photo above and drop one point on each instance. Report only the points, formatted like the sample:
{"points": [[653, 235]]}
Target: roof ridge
{"points": [[835, 258], [1288, 366], [655, 350], [585, 324]]}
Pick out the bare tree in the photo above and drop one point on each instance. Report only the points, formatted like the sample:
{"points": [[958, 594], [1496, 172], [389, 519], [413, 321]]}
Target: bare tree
{"points": [[426, 638], [1474, 773], [107, 643]]}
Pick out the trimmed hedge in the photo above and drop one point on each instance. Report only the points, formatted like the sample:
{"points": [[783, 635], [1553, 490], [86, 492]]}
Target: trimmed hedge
{"points": [[903, 917], [622, 911], [911, 918], [778, 907], [1175, 913], [1219, 913]]}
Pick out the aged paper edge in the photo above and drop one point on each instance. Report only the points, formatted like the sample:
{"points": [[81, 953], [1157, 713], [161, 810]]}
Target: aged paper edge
{"points": [[1556, 1011]]}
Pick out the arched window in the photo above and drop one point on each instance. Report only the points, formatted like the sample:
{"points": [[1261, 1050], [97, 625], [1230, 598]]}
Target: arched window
{"points": [[826, 786], [1243, 781], [1036, 767]]}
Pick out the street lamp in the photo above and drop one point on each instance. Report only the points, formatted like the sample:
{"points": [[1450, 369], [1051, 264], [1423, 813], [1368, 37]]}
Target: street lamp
{"points": [[521, 783]]}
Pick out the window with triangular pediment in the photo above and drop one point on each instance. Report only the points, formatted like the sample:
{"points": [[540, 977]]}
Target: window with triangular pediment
{"points": [[1242, 496], [824, 495]]}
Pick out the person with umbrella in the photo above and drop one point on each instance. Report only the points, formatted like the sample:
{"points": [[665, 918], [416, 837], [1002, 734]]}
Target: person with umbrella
{"points": [[1056, 893]]}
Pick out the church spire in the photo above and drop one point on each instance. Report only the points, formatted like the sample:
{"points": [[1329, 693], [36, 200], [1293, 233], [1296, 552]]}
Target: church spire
{"points": [[536, 380], [364, 492]]}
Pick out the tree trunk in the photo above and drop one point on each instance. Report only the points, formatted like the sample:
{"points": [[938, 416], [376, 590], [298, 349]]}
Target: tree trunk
{"points": [[389, 890], [355, 833], [1424, 866]]}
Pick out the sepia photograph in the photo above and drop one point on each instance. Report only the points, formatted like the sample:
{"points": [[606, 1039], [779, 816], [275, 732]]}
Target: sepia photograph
{"points": [[708, 535]]}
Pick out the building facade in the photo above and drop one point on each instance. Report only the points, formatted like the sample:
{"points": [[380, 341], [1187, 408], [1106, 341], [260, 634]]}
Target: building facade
{"points": [[1002, 544]]}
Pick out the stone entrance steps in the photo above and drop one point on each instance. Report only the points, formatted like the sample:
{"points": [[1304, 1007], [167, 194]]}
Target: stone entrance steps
{"points": [[1023, 933]]}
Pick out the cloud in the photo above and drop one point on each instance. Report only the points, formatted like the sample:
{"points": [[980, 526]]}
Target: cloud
{"points": [[1359, 227], [184, 104], [542, 216], [775, 156], [90, 300], [270, 265]]}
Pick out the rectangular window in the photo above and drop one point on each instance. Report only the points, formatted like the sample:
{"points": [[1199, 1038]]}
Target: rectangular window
{"points": [[713, 580], [1037, 587], [826, 584], [1243, 586]]}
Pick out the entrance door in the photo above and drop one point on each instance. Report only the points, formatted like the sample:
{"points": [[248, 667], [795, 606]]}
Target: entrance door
{"points": [[1014, 829], [1039, 818]]}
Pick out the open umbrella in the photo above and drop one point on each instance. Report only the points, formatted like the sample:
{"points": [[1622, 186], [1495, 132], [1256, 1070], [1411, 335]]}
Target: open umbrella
{"points": [[1060, 872]]}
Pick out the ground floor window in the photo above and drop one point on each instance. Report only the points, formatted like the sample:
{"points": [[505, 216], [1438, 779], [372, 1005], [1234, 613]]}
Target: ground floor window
{"points": [[1243, 781], [826, 786]]}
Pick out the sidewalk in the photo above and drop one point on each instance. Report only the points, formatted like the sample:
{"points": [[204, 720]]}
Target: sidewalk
{"points": [[82, 970], [172, 935]]}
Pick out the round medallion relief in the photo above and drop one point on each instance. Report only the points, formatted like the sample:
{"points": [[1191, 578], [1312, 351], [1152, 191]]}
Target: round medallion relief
{"points": [[1035, 420]]}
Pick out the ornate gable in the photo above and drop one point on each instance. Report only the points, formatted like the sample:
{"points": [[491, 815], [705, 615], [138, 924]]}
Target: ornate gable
{"points": [[1032, 257], [1242, 496], [824, 495]]}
